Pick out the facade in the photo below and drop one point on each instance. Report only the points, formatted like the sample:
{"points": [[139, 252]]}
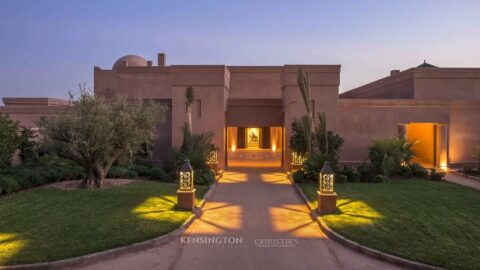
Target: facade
{"points": [[250, 108]]}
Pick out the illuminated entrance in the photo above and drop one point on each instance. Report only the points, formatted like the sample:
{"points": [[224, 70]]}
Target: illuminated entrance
{"points": [[431, 143], [254, 146]]}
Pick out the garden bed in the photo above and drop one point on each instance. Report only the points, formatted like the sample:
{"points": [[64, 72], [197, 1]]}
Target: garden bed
{"points": [[436, 223], [46, 224]]}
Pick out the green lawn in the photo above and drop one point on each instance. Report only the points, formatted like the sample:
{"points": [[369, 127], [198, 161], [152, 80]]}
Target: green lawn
{"points": [[46, 224], [437, 223]]}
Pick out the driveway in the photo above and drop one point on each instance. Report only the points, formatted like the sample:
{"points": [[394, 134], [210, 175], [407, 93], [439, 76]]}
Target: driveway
{"points": [[253, 220]]}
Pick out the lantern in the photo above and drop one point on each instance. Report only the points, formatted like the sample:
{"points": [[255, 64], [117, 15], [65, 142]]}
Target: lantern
{"points": [[212, 157], [186, 176], [297, 158], [327, 176]]}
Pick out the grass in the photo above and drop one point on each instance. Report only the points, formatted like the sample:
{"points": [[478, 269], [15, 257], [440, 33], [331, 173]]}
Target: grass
{"points": [[437, 223], [46, 224]]}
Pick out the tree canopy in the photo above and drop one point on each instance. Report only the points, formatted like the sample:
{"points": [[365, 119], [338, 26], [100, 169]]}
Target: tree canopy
{"points": [[8, 139], [96, 132]]}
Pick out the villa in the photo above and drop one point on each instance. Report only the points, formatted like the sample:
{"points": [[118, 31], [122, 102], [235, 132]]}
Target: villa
{"points": [[250, 108]]}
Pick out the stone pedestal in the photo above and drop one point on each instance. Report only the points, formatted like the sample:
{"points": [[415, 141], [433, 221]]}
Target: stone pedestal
{"points": [[186, 200], [327, 202]]}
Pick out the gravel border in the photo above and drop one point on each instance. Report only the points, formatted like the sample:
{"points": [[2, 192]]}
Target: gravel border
{"points": [[92, 258], [376, 254]]}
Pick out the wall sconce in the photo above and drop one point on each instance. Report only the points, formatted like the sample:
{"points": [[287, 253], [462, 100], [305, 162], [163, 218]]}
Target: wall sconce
{"points": [[274, 147], [326, 196], [186, 190], [233, 148]]}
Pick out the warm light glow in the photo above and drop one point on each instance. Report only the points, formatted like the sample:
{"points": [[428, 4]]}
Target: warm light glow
{"points": [[186, 181], [297, 159], [10, 245], [218, 218], [253, 137], [212, 157], [444, 166], [293, 220], [274, 147], [234, 148], [158, 209]]}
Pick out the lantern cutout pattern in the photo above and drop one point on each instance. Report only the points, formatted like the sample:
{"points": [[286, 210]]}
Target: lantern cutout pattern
{"points": [[327, 176], [297, 158], [212, 157], [186, 176]]}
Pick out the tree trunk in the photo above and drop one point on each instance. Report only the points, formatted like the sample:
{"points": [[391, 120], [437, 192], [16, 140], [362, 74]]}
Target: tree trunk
{"points": [[189, 117]]}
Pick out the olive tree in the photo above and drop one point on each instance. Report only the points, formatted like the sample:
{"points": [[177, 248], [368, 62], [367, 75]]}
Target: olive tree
{"points": [[8, 139], [96, 132]]}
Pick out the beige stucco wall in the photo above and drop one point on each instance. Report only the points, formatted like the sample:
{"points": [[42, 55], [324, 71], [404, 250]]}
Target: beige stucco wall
{"points": [[324, 82], [362, 120]]}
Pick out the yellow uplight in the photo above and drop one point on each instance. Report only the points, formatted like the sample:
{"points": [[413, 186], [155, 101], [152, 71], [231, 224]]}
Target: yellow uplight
{"points": [[443, 166], [233, 147]]}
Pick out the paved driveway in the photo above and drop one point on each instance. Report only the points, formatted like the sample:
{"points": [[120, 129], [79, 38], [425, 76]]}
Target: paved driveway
{"points": [[253, 220]]}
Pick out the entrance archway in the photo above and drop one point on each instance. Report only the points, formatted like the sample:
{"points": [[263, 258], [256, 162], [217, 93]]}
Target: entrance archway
{"points": [[254, 146]]}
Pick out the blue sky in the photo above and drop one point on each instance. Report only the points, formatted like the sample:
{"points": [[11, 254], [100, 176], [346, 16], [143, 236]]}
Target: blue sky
{"points": [[48, 47]]}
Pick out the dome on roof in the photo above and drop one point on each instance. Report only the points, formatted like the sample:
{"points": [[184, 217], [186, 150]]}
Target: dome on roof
{"points": [[132, 61], [426, 65]]}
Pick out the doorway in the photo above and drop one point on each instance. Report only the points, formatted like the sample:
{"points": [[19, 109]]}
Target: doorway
{"points": [[430, 143], [254, 146]]}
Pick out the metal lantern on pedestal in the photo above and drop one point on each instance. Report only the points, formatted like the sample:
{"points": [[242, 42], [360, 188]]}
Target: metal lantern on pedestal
{"points": [[327, 198], [212, 161], [327, 177], [186, 176]]}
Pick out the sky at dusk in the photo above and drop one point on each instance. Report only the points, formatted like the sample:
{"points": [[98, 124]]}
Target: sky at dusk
{"points": [[48, 47]]}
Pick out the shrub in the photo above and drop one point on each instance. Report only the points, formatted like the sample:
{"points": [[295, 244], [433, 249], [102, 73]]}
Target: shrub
{"points": [[8, 139], [351, 173], [418, 170], [140, 169], [341, 178], [405, 171], [204, 178], [398, 150], [367, 172], [298, 176], [312, 167], [121, 172], [436, 176], [379, 179], [158, 173], [8, 184], [388, 166]]}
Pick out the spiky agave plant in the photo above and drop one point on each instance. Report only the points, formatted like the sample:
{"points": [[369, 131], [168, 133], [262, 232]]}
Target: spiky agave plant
{"points": [[189, 100], [303, 82]]}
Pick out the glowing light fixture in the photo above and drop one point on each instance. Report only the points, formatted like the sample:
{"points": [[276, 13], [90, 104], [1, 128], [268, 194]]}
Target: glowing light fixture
{"points": [[274, 147], [327, 176], [297, 158], [186, 176], [444, 166], [212, 157]]}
